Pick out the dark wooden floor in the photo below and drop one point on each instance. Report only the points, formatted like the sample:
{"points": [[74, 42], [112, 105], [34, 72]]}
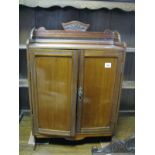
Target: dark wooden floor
{"points": [[125, 128]]}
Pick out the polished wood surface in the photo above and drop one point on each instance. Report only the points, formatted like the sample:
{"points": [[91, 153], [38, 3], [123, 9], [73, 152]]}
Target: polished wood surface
{"points": [[54, 90], [98, 84], [98, 92], [107, 34], [74, 92]]}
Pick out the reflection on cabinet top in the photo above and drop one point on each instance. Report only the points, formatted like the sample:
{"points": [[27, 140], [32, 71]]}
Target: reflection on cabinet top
{"points": [[62, 39]]}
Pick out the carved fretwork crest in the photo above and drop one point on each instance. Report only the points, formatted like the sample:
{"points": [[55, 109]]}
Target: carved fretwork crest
{"points": [[75, 26]]}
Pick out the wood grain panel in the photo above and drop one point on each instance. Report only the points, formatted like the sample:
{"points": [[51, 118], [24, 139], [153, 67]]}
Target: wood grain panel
{"points": [[98, 92], [54, 90], [98, 108]]}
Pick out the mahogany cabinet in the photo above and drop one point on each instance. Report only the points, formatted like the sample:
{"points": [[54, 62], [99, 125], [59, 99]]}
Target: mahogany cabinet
{"points": [[74, 82]]}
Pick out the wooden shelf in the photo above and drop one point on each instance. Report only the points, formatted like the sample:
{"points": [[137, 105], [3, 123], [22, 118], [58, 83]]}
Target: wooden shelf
{"points": [[128, 85], [22, 46], [130, 49], [23, 82], [79, 4]]}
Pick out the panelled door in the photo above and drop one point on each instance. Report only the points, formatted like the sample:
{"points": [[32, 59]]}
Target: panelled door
{"points": [[98, 90], [53, 81]]}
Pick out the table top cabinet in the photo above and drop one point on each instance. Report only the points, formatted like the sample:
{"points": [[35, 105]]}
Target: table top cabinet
{"points": [[74, 82]]}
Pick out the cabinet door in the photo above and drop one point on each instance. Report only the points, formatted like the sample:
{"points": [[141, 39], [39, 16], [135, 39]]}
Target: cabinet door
{"points": [[99, 86], [53, 86]]}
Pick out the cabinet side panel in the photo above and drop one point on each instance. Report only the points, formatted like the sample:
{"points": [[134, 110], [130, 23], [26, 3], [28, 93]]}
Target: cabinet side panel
{"points": [[54, 77], [99, 82]]}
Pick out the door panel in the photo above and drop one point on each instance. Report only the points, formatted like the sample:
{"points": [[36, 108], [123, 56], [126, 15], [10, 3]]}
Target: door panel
{"points": [[98, 92], [55, 91], [98, 82]]}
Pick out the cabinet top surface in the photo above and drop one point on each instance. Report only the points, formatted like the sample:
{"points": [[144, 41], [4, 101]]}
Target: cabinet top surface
{"points": [[56, 37]]}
